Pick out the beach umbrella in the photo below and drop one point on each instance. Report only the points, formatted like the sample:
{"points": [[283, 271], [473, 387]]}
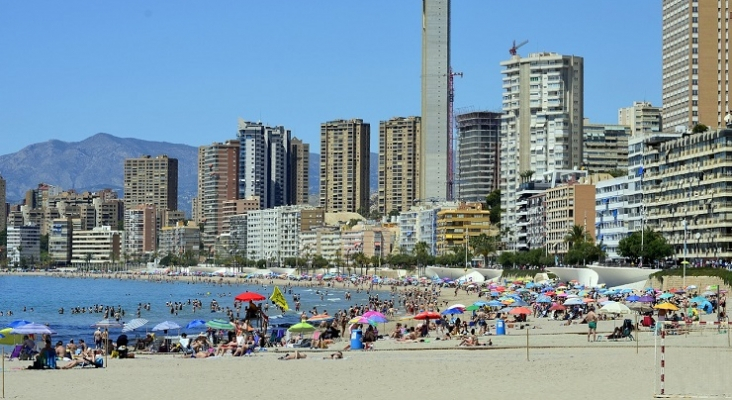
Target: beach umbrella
{"points": [[557, 307], [666, 306], [134, 324], [640, 307], [613, 307], [17, 323], [706, 306], [321, 318], [451, 311], [301, 327], [543, 299], [361, 320], [9, 338], [372, 313], [425, 315], [456, 306], [632, 298], [574, 302], [166, 326], [32, 329], [196, 323], [646, 299], [708, 293], [691, 287], [665, 296], [520, 310], [220, 324], [474, 307], [249, 296], [698, 300]]}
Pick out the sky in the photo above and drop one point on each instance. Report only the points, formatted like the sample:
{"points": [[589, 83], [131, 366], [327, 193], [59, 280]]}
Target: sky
{"points": [[184, 71]]}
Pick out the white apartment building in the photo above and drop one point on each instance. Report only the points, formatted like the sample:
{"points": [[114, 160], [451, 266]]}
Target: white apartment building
{"points": [[326, 242], [612, 211], [541, 128], [419, 225], [641, 117], [24, 243], [99, 246], [273, 234], [140, 230], [59, 241]]}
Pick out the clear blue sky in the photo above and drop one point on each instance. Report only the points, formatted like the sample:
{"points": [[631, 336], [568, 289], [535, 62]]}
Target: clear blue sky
{"points": [[184, 71]]}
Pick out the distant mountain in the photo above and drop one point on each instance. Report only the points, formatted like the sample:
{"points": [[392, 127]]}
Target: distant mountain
{"points": [[315, 173], [92, 164]]}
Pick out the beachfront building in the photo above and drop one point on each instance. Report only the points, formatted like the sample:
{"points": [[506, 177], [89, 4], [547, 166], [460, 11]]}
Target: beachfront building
{"points": [[420, 225], [605, 147], [614, 210], [238, 234], [541, 127], [399, 148], [299, 172], [685, 185], [534, 222], [96, 247], [566, 206], [642, 118], [456, 226], [24, 245], [324, 241], [479, 134], [180, 239], [237, 207], [108, 212], [59, 241], [151, 180], [218, 181], [273, 234], [344, 165], [140, 234]]}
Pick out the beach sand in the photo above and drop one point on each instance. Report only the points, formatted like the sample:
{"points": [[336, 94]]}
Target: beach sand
{"points": [[561, 364]]}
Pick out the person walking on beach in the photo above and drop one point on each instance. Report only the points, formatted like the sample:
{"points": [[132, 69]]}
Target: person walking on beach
{"points": [[98, 338], [591, 319]]}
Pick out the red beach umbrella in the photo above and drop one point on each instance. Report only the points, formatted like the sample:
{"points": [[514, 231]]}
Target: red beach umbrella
{"points": [[520, 310], [427, 315], [557, 307], [249, 296]]}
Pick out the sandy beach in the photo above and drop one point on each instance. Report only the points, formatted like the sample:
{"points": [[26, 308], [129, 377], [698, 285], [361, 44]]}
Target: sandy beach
{"points": [[561, 364]]}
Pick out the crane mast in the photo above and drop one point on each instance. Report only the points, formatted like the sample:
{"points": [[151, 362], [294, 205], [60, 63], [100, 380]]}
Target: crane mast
{"points": [[450, 147]]}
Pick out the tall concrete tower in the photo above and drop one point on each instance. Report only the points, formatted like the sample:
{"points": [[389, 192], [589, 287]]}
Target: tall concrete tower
{"points": [[435, 102]]}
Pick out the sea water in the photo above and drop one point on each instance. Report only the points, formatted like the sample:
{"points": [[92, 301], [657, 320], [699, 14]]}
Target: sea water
{"points": [[42, 296]]}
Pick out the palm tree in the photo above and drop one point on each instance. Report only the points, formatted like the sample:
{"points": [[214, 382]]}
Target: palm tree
{"points": [[577, 235], [484, 245]]}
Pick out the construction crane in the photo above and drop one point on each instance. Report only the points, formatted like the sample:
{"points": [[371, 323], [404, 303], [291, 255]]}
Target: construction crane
{"points": [[450, 121], [515, 47]]}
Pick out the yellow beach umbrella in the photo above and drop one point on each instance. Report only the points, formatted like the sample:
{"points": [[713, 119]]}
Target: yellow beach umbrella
{"points": [[9, 338], [666, 306]]}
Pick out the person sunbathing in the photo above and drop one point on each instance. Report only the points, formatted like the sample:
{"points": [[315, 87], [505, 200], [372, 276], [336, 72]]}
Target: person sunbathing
{"points": [[334, 356], [225, 347], [90, 358], [293, 356]]}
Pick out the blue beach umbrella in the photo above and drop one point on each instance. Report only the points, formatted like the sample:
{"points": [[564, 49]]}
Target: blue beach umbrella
{"points": [[451, 311], [17, 323], [632, 298], [196, 323], [666, 296]]}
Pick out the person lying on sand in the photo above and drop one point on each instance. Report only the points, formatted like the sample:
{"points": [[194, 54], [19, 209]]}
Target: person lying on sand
{"points": [[294, 356], [334, 356]]}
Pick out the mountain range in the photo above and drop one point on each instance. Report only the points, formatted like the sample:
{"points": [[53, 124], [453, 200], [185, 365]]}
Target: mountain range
{"points": [[97, 162]]}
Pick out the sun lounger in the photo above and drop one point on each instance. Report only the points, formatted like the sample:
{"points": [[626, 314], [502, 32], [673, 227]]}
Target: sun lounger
{"points": [[16, 352]]}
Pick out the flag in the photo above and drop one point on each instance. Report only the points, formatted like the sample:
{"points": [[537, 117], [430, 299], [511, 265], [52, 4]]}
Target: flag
{"points": [[279, 299], [640, 171]]}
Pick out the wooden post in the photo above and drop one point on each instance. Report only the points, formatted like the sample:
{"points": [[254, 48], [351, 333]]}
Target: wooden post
{"points": [[3, 372], [637, 334], [527, 344]]}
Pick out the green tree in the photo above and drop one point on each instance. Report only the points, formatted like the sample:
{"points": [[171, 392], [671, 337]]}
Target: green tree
{"points": [[655, 247], [699, 128], [577, 235], [493, 204], [360, 259], [483, 245], [422, 254]]}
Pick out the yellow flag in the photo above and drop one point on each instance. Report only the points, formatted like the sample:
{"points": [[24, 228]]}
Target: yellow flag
{"points": [[279, 299]]}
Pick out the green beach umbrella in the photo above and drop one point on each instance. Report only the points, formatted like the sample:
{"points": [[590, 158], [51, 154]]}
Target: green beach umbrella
{"points": [[301, 327], [473, 308], [220, 324]]}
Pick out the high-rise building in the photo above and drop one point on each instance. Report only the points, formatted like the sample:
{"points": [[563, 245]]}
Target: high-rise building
{"points": [[59, 241], [218, 168], [399, 147], [140, 230], [344, 165], [96, 247], [696, 56], [24, 244], [299, 172], [149, 180], [434, 164], [3, 205], [641, 117], [264, 163], [479, 144], [605, 147], [541, 128]]}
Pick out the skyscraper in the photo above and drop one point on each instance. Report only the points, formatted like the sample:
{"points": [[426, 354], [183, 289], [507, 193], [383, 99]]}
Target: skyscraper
{"points": [[641, 117], [264, 163], [695, 63], [399, 163], [435, 100], [344, 165], [3, 205], [541, 128], [149, 180], [479, 144], [299, 171], [218, 167]]}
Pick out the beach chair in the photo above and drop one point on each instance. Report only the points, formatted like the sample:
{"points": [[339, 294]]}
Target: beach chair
{"points": [[628, 330], [16, 352], [273, 340]]}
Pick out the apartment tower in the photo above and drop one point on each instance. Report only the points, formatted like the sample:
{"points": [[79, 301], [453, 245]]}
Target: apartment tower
{"points": [[299, 172], [344, 165], [479, 134], [3, 205], [434, 165], [695, 42], [218, 167], [399, 146], [642, 117], [541, 128], [151, 180]]}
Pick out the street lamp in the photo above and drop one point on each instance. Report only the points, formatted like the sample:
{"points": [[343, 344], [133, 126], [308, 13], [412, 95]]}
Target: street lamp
{"points": [[683, 279]]}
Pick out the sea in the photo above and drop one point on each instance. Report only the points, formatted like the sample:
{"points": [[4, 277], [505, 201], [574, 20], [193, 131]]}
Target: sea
{"points": [[39, 298]]}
